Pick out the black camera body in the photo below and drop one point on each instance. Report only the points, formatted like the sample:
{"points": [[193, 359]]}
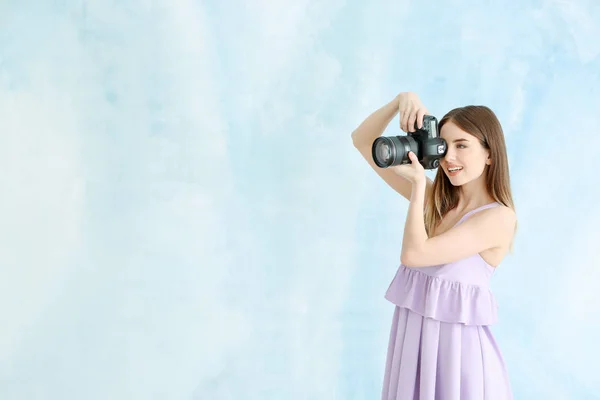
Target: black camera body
{"points": [[426, 143]]}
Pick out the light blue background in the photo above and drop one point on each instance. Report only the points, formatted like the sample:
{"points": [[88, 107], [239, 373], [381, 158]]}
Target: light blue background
{"points": [[183, 214]]}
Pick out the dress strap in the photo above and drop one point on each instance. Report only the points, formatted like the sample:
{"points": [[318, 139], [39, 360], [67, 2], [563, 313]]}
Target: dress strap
{"points": [[484, 207]]}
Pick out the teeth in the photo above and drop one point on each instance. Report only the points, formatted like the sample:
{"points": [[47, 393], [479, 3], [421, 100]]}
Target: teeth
{"points": [[454, 169]]}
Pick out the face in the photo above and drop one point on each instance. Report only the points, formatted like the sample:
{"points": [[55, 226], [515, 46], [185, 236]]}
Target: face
{"points": [[465, 153]]}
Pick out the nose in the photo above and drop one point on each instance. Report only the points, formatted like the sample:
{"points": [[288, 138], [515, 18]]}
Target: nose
{"points": [[450, 154]]}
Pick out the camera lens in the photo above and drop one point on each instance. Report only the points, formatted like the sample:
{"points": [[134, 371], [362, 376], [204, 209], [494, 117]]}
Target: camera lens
{"points": [[388, 151], [383, 152]]}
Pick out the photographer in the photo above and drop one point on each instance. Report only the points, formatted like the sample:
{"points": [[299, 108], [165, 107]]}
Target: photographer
{"points": [[458, 229]]}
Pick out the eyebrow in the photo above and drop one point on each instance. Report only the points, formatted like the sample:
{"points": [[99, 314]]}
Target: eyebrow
{"points": [[460, 140]]}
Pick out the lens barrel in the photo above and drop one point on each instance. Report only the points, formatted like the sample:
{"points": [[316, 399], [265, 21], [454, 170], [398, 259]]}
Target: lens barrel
{"points": [[388, 151]]}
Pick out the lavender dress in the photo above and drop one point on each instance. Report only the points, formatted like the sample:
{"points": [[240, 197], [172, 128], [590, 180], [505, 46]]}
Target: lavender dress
{"points": [[441, 346]]}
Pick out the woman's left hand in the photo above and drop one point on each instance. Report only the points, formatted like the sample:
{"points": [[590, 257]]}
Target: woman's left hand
{"points": [[414, 171]]}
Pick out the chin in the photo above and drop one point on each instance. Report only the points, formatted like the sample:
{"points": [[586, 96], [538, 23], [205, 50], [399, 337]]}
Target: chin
{"points": [[455, 182]]}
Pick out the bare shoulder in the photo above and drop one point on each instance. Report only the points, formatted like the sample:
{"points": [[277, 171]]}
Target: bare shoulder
{"points": [[498, 216], [505, 214], [501, 220]]}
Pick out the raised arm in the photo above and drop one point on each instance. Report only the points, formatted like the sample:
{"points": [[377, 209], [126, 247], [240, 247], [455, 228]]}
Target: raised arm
{"points": [[410, 108]]}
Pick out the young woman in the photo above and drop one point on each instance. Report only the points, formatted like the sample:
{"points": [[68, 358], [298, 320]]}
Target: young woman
{"points": [[458, 229]]}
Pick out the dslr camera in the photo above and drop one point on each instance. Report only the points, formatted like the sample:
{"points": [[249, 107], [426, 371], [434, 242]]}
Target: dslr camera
{"points": [[426, 143]]}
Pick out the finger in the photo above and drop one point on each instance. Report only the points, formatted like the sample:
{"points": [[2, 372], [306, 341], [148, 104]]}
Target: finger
{"points": [[411, 120], [412, 157], [408, 113], [404, 119], [416, 160], [420, 114]]}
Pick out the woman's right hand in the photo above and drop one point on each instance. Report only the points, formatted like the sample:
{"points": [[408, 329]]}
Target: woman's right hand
{"points": [[411, 110]]}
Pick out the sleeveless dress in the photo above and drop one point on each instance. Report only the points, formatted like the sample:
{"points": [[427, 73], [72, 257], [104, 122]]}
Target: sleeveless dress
{"points": [[441, 346]]}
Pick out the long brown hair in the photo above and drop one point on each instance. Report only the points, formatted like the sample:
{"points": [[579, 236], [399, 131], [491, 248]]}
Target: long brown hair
{"points": [[482, 123]]}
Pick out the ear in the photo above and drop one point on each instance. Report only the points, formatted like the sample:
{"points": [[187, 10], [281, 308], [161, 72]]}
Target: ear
{"points": [[488, 161]]}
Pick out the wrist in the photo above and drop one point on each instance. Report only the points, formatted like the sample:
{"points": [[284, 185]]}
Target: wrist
{"points": [[418, 191], [420, 183]]}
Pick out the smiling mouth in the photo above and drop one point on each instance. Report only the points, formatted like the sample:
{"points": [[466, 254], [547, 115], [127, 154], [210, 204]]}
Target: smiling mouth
{"points": [[454, 171]]}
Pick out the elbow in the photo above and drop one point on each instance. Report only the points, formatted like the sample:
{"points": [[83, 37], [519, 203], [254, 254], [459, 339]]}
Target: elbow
{"points": [[412, 258], [357, 140], [353, 136], [406, 258]]}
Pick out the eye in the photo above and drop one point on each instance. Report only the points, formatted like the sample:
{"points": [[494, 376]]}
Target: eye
{"points": [[461, 146]]}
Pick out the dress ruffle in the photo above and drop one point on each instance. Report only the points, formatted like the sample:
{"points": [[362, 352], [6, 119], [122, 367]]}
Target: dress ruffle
{"points": [[442, 300]]}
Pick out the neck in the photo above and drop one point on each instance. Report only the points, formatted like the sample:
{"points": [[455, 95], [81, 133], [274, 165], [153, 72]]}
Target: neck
{"points": [[473, 194]]}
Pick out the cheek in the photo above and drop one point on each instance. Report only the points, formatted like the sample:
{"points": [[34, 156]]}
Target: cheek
{"points": [[474, 162]]}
